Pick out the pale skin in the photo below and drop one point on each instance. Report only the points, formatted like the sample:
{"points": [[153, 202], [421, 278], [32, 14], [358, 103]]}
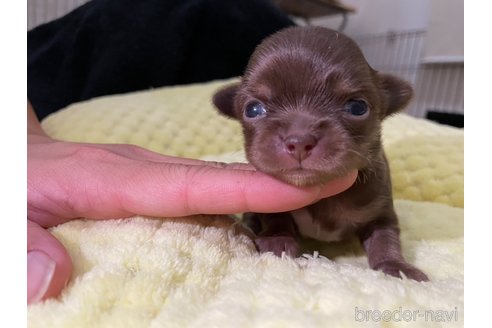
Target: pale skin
{"points": [[67, 181]]}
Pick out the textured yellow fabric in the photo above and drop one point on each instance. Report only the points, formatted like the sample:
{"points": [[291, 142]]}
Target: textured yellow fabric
{"points": [[178, 121], [185, 273], [195, 272], [426, 158]]}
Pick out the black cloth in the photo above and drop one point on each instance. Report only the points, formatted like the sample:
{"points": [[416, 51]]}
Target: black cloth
{"points": [[115, 46]]}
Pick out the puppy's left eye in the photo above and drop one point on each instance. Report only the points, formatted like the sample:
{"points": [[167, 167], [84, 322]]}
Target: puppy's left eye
{"points": [[356, 107], [254, 109]]}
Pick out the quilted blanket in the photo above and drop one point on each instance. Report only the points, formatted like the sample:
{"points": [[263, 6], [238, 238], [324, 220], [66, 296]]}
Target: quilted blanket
{"points": [[198, 272]]}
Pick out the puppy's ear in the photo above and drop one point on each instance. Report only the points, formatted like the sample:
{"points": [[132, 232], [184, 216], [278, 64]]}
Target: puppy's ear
{"points": [[396, 91], [224, 99]]}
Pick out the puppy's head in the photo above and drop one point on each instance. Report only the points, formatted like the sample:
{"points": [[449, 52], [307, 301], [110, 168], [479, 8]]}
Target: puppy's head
{"points": [[310, 105]]}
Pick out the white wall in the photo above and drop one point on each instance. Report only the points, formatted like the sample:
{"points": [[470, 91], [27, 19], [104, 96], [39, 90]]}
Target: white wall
{"points": [[380, 16], [445, 33], [442, 20]]}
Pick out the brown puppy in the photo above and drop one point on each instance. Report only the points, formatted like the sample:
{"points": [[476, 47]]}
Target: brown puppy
{"points": [[311, 109]]}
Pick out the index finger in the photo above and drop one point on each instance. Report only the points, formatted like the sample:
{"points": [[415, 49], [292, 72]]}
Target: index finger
{"points": [[87, 181], [173, 190]]}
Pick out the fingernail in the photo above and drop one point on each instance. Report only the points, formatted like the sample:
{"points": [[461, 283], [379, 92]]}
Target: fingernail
{"points": [[40, 270]]}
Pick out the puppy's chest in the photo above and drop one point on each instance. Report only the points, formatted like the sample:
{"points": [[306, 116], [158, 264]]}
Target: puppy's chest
{"points": [[332, 221]]}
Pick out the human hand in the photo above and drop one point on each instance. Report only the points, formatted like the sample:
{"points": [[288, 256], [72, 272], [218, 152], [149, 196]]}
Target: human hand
{"points": [[69, 180]]}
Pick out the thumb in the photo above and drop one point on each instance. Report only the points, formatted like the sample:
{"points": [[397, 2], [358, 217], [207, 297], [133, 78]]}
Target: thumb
{"points": [[48, 264]]}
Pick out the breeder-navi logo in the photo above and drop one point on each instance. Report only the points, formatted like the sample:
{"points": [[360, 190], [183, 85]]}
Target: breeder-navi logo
{"points": [[406, 315]]}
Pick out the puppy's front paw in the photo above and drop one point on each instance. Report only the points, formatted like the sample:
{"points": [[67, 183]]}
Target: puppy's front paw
{"points": [[394, 268], [277, 245]]}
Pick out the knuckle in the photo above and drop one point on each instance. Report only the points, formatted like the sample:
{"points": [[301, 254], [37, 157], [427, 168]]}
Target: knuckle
{"points": [[92, 153]]}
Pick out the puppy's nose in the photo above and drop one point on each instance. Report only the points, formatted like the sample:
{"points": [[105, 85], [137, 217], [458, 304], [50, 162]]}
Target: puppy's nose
{"points": [[300, 146]]}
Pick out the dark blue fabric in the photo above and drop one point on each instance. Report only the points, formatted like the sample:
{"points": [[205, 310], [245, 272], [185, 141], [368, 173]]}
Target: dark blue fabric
{"points": [[115, 46]]}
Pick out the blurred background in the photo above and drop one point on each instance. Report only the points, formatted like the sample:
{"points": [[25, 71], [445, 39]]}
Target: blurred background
{"points": [[419, 40]]}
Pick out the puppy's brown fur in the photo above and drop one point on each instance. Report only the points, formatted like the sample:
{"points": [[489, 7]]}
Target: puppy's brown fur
{"points": [[305, 81]]}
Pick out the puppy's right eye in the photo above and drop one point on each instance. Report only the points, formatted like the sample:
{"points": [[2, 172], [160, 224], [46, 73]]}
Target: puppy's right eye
{"points": [[254, 109]]}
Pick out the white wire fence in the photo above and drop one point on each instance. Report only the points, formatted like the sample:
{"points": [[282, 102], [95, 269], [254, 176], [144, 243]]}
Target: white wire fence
{"points": [[438, 86]]}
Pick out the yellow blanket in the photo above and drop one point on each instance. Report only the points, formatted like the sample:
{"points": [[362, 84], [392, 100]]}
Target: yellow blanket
{"points": [[196, 272]]}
